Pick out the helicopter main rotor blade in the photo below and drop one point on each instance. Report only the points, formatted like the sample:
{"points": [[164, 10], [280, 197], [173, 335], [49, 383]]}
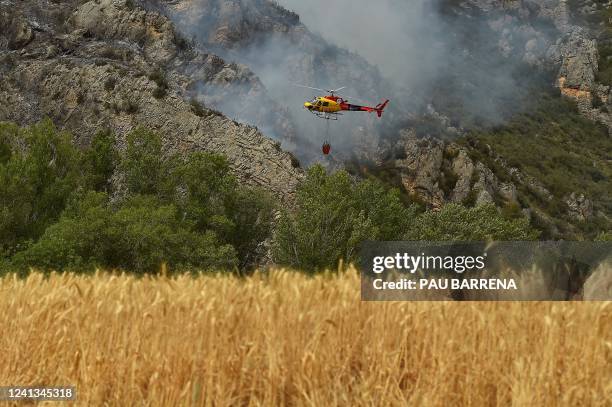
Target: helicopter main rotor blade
{"points": [[335, 90], [310, 87]]}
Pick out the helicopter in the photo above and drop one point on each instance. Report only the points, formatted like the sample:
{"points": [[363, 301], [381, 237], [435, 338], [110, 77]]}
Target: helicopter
{"points": [[330, 107]]}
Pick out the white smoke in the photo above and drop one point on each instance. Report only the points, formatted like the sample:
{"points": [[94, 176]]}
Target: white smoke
{"points": [[400, 37], [413, 52]]}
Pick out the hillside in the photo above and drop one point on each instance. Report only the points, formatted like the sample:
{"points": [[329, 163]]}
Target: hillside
{"points": [[509, 105], [503, 60], [91, 66]]}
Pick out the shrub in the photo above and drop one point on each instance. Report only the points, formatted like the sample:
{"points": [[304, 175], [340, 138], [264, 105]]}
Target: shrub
{"points": [[100, 161], [334, 215], [139, 236], [55, 211], [148, 233], [160, 79], [456, 222], [110, 84], [142, 164], [197, 108], [160, 93], [203, 189], [36, 180]]}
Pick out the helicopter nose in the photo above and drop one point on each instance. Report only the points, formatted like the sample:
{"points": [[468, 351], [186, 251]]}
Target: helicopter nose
{"points": [[308, 105]]}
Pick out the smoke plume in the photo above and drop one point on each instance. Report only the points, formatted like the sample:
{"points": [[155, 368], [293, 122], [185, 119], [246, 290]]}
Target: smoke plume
{"points": [[428, 56]]}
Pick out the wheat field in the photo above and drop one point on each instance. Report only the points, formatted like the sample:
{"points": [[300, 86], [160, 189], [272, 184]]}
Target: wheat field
{"points": [[283, 338]]}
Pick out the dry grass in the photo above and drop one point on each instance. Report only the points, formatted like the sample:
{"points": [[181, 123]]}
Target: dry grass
{"points": [[286, 339]]}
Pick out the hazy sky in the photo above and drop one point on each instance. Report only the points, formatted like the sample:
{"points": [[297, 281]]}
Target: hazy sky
{"points": [[398, 36]]}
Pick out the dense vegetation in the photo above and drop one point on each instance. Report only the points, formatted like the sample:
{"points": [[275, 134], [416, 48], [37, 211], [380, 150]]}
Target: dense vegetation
{"points": [[59, 210], [335, 214], [67, 208]]}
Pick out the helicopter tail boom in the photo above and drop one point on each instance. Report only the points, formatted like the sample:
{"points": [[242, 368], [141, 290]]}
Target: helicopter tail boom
{"points": [[356, 108]]}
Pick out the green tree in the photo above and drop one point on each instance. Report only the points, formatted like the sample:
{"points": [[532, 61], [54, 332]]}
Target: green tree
{"points": [[147, 233], [78, 240], [207, 188], [203, 189], [39, 169], [100, 161], [143, 165], [458, 223], [252, 214], [212, 199], [188, 211], [334, 215], [139, 236]]}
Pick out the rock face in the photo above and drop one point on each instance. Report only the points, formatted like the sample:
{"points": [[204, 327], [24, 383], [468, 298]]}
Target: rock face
{"points": [[421, 169], [116, 20], [463, 167], [578, 57], [576, 52], [18, 32], [438, 172], [572, 48], [579, 206], [107, 64]]}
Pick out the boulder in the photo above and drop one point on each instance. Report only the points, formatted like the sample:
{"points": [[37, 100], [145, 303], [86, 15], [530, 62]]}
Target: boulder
{"points": [[579, 207], [16, 31]]}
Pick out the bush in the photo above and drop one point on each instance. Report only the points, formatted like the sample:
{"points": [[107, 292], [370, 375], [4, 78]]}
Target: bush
{"points": [[202, 188], [39, 168], [55, 211], [160, 79], [160, 93], [148, 233], [458, 223], [197, 108], [143, 165], [100, 161], [252, 211], [139, 236], [334, 215], [76, 240], [109, 84]]}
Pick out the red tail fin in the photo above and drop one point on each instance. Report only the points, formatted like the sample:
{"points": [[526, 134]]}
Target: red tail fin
{"points": [[381, 107]]}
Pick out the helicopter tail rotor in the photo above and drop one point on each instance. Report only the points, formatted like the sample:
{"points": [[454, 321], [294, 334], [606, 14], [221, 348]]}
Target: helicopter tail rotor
{"points": [[380, 107]]}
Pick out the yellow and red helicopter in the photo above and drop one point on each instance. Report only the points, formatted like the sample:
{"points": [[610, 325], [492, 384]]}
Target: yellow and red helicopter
{"points": [[331, 106]]}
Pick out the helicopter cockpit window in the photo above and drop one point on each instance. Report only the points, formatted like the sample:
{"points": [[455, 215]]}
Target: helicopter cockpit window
{"points": [[325, 104], [314, 101]]}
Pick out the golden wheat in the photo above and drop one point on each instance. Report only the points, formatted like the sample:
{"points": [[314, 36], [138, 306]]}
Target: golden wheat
{"points": [[286, 339]]}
